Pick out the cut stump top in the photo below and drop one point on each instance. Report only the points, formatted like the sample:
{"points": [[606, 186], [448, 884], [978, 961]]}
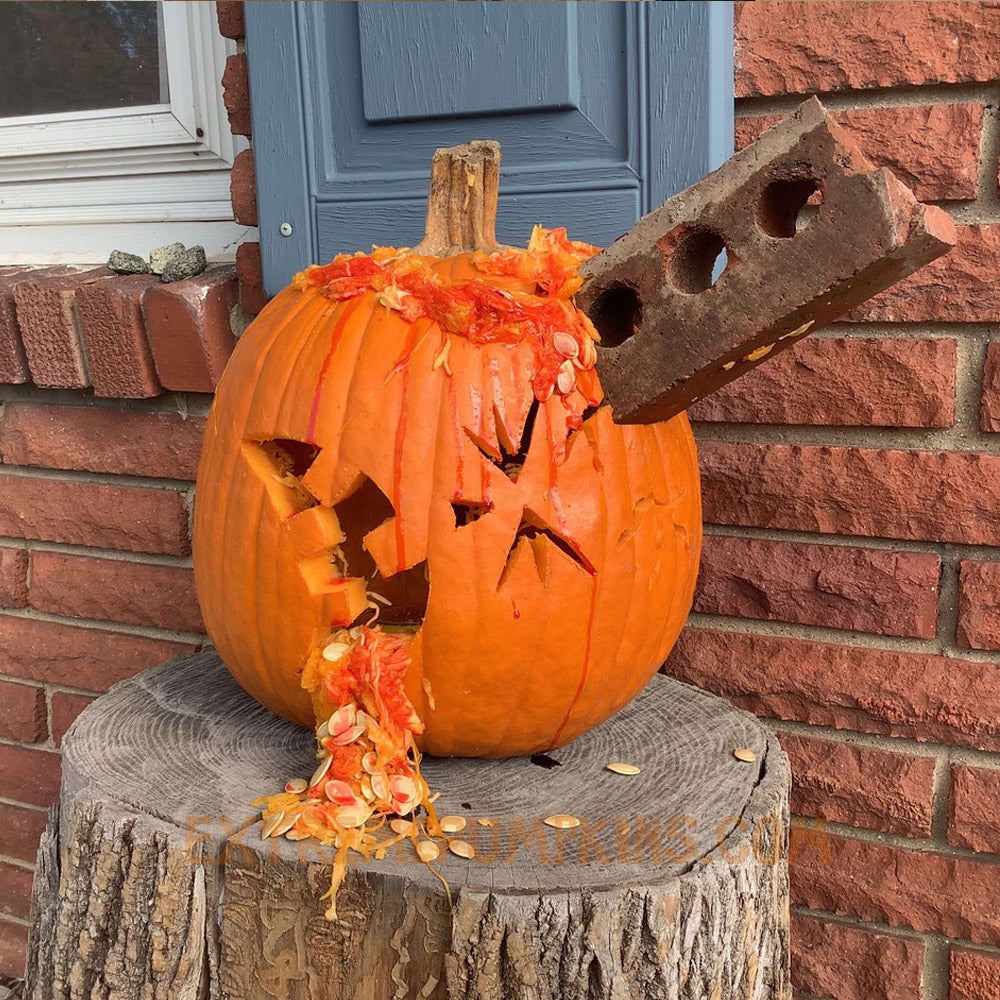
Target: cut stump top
{"points": [[183, 744]]}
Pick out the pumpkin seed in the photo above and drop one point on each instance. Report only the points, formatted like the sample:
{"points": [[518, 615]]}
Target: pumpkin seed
{"points": [[342, 719], [320, 773], [485, 822], [428, 851], [560, 821], [297, 835], [452, 824], [566, 344], [296, 786], [380, 785], [566, 378], [742, 753], [352, 816], [335, 651], [370, 762], [339, 792], [462, 848], [323, 730], [348, 736], [287, 822], [400, 826], [270, 825], [619, 767]]}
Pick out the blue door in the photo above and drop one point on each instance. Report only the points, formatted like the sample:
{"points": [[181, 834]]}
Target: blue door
{"points": [[602, 111]]}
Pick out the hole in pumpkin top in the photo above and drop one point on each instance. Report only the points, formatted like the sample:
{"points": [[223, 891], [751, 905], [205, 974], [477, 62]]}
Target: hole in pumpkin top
{"points": [[617, 314], [406, 591], [694, 258], [782, 210]]}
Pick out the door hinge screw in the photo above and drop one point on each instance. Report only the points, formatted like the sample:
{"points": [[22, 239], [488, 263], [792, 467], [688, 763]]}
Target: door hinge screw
{"points": [[285, 229]]}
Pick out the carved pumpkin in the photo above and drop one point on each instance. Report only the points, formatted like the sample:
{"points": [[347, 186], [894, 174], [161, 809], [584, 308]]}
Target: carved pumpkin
{"points": [[420, 432]]}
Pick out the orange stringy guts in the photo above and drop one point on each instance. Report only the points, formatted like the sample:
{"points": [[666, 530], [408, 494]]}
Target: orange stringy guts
{"points": [[369, 766], [561, 336]]}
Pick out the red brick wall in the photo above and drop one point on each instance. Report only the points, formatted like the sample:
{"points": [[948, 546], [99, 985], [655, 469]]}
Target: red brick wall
{"points": [[850, 587]]}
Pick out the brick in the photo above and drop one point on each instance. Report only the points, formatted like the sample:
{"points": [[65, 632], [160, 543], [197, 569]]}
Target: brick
{"points": [[933, 150], [20, 828], [190, 329], [30, 776], [15, 891], [13, 577], [979, 605], [88, 658], [23, 715], [65, 709], [963, 286], [975, 975], [974, 808], [13, 949], [849, 963], [118, 355], [844, 383], [923, 696], [896, 886], [251, 278], [236, 94], [101, 439], [807, 47], [932, 496], [243, 189], [50, 327], [13, 363], [989, 414], [860, 786], [836, 586], [230, 17], [82, 513], [114, 590]]}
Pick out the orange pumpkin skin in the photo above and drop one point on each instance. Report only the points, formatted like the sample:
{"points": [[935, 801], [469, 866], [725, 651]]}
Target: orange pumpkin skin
{"points": [[546, 613]]}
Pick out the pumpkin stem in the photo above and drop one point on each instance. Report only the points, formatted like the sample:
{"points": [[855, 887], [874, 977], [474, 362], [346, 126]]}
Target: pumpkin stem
{"points": [[462, 202]]}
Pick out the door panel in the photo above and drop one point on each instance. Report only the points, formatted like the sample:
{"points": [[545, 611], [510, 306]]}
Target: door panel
{"points": [[602, 110]]}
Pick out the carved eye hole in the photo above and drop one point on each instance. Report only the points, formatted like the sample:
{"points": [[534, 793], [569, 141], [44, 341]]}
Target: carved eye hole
{"points": [[780, 212]]}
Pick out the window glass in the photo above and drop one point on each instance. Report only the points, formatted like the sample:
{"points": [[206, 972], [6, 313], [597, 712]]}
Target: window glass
{"points": [[62, 57]]}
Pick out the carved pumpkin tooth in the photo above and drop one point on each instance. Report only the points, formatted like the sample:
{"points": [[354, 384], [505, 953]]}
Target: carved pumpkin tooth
{"points": [[452, 824], [320, 773], [428, 851], [335, 651], [462, 848], [566, 344], [296, 786], [561, 821]]}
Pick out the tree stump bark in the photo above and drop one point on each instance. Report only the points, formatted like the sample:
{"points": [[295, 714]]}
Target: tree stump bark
{"points": [[153, 881]]}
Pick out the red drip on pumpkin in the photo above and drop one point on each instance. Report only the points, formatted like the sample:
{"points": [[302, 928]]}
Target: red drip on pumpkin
{"points": [[562, 337]]}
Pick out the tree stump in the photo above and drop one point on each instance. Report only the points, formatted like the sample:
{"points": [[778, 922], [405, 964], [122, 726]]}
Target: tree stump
{"points": [[153, 881]]}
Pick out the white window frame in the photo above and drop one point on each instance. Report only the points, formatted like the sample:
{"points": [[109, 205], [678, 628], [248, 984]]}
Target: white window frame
{"points": [[74, 186]]}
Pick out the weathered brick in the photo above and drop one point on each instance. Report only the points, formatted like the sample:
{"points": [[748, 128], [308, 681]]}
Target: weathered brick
{"points": [[243, 189], [847, 963], [974, 975], [979, 605], [860, 786], [920, 695], [13, 949], [115, 590], [843, 382], [963, 286], [13, 577], [934, 496], [30, 776], [15, 891], [190, 329], [974, 808], [118, 355], [230, 17], [13, 363], [65, 708], [826, 45], [82, 513], [23, 714], [897, 886], [251, 278], [236, 94], [20, 827], [989, 413], [101, 439], [50, 327], [837, 586], [89, 658]]}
